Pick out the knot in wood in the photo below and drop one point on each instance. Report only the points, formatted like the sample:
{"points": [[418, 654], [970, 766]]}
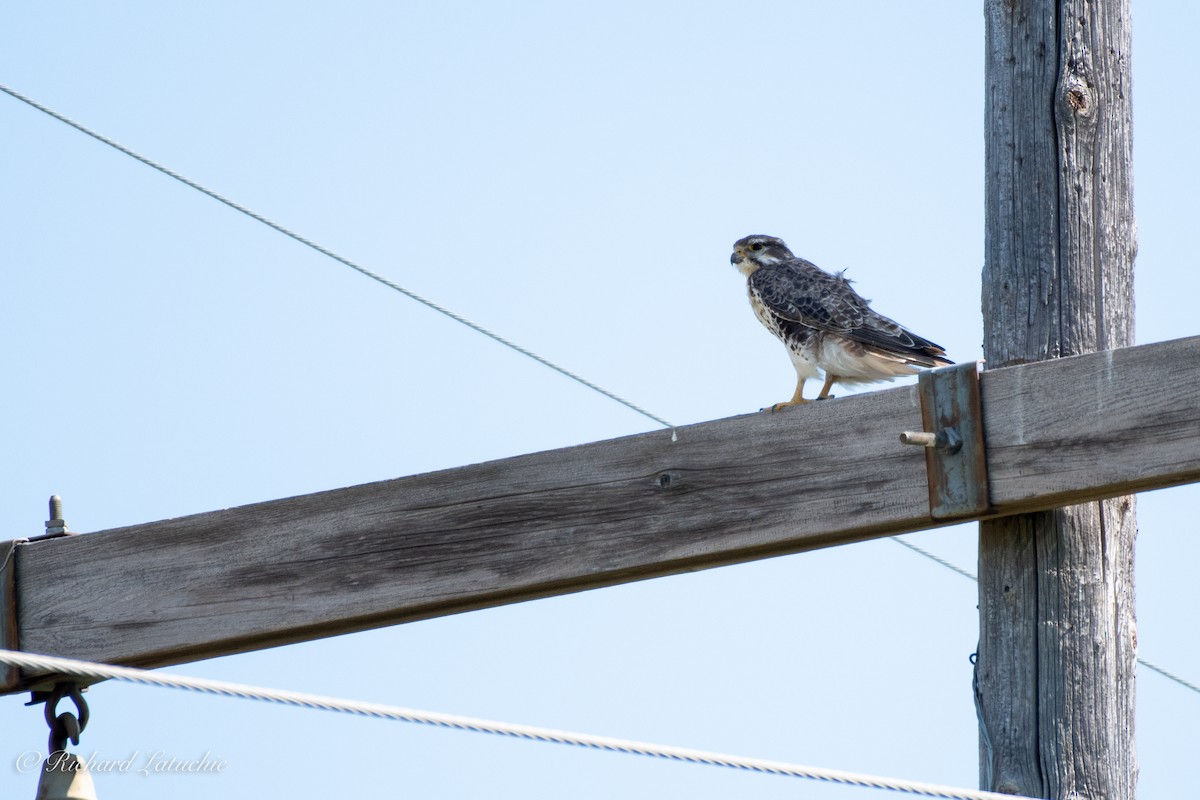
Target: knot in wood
{"points": [[1076, 100], [669, 479]]}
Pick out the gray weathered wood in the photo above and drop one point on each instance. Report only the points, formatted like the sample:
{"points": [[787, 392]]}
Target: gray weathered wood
{"points": [[598, 514], [478, 536], [9, 633], [1056, 656], [1077, 429]]}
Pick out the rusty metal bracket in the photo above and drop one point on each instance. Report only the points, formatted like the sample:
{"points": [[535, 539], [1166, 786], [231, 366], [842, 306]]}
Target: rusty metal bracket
{"points": [[955, 461]]}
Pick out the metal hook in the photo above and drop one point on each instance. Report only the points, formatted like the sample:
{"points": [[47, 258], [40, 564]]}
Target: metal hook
{"points": [[66, 725]]}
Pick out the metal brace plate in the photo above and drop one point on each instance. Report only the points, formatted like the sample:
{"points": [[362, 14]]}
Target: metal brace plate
{"points": [[955, 461]]}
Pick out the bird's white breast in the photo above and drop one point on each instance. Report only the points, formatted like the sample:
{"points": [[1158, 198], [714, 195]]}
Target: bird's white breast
{"points": [[803, 359]]}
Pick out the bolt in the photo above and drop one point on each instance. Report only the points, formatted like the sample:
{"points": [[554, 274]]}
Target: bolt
{"points": [[947, 439], [56, 526]]}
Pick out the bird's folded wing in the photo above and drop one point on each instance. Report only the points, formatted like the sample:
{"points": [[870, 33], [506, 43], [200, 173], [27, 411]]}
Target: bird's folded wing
{"points": [[826, 302]]}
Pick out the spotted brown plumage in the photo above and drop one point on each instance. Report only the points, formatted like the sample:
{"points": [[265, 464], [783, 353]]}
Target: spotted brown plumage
{"points": [[826, 326]]}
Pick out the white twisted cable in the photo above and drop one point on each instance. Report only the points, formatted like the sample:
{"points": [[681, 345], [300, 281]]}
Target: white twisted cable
{"points": [[85, 669]]}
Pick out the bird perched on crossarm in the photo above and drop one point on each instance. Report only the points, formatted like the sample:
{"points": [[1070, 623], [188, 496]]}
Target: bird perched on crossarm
{"points": [[824, 323]]}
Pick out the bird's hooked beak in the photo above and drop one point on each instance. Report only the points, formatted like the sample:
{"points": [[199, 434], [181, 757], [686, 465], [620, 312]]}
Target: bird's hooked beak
{"points": [[741, 262]]}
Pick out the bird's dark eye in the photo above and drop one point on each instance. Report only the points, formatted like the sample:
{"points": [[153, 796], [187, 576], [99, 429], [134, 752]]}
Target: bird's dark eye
{"points": [[756, 246]]}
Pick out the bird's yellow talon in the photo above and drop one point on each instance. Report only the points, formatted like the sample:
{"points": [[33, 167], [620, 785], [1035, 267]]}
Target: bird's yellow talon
{"points": [[787, 404]]}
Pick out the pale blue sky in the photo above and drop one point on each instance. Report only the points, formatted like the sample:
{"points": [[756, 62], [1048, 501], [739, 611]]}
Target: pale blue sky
{"points": [[571, 176]]}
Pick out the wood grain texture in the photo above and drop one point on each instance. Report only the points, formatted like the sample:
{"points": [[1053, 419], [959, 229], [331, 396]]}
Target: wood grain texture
{"points": [[9, 630], [542, 524], [597, 514], [1020, 268], [1057, 645], [1059, 429]]}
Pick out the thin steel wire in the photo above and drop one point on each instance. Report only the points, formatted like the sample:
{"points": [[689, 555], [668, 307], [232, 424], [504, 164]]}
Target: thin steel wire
{"points": [[1143, 662], [932, 557], [1169, 676], [91, 670], [340, 259]]}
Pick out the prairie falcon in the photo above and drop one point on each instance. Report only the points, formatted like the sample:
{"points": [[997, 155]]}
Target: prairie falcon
{"points": [[826, 326]]}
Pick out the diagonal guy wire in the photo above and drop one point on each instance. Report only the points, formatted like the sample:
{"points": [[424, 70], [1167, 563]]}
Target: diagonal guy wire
{"points": [[340, 259], [965, 574]]}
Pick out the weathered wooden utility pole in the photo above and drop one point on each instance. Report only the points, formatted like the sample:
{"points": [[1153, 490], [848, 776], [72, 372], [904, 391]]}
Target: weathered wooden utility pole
{"points": [[1055, 673]]}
